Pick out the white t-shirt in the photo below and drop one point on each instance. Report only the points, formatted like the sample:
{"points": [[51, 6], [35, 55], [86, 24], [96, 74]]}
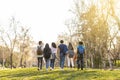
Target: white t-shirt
{"points": [[54, 50]]}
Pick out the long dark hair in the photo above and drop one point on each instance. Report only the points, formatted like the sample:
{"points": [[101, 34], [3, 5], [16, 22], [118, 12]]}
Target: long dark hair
{"points": [[54, 45], [47, 48], [70, 47]]}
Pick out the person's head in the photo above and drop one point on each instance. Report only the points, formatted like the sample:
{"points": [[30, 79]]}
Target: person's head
{"points": [[46, 45], [61, 41], [70, 46], [80, 43], [70, 43], [53, 45], [40, 42]]}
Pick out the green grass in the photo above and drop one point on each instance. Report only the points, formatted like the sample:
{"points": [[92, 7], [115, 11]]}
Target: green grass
{"points": [[67, 74], [118, 63]]}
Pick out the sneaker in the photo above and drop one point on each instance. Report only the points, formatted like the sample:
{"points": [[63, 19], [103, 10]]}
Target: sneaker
{"points": [[73, 67], [50, 68], [46, 69], [38, 69], [61, 69]]}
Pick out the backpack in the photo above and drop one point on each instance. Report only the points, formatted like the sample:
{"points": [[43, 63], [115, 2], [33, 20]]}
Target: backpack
{"points": [[71, 53], [39, 50], [81, 49], [47, 54]]}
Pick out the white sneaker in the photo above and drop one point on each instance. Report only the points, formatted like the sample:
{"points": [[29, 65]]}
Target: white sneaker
{"points": [[50, 68], [61, 69]]}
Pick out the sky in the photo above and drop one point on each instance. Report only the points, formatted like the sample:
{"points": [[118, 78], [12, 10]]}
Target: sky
{"points": [[46, 18]]}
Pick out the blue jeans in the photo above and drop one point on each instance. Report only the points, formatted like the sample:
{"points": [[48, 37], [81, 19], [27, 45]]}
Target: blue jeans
{"points": [[47, 63], [62, 60], [52, 61]]}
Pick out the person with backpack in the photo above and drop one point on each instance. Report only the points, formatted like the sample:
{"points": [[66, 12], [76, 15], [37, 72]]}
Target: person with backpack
{"points": [[40, 55], [53, 55], [80, 55], [70, 55], [62, 48], [47, 53]]}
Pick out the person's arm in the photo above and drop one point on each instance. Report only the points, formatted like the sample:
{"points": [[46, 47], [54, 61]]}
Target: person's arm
{"points": [[77, 51], [37, 48], [58, 53], [75, 56], [43, 52], [84, 50]]}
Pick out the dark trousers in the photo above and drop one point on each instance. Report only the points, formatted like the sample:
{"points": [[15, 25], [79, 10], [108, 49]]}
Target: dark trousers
{"points": [[80, 61], [40, 60], [52, 61]]}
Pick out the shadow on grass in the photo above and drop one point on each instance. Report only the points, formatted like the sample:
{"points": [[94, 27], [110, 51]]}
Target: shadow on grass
{"points": [[69, 75], [52, 75]]}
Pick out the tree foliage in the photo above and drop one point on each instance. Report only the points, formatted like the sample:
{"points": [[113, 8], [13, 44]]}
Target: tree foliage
{"points": [[97, 24]]}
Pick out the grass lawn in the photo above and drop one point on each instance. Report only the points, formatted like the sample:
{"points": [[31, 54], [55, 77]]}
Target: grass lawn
{"points": [[66, 74]]}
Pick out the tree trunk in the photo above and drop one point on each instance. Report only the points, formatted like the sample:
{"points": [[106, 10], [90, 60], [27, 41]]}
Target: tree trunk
{"points": [[21, 61], [11, 60], [109, 60], [3, 59], [92, 63]]}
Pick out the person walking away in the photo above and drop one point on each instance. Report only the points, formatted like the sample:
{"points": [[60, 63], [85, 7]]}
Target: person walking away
{"points": [[47, 53], [53, 55], [80, 55], [70, 56], [62, 48], [40, 54]]}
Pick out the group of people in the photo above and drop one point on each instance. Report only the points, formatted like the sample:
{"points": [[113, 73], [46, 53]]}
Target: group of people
{"points": [[49, 52]]}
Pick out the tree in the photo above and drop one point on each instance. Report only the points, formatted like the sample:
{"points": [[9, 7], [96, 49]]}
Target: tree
{"points": [[24, 42], [94, 25], [16, 39], [9, 37]]}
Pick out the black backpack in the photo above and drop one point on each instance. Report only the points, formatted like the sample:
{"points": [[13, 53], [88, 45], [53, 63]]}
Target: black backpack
{"points": [[39, 50], [47, 54]]}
